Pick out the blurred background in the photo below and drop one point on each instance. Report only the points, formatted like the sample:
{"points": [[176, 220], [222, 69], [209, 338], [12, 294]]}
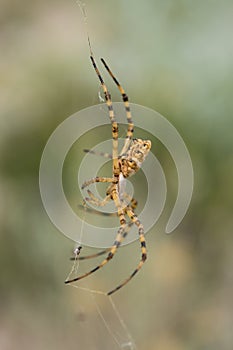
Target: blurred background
{"points": [[175, 57]]}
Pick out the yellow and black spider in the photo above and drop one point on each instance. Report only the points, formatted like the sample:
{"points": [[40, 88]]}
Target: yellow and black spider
{"points": [[124, 164]]}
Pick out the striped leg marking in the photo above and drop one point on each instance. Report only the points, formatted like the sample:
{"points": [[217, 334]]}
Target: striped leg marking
{"points": [[113, 249], [116, 168], [127, 229], [136, 221], [127, 109]]}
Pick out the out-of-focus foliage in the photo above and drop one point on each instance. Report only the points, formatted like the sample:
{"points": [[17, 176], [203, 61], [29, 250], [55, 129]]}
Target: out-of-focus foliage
{"points": [[172, 56]]}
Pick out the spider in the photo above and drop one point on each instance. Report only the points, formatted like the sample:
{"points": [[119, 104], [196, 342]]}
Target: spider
{"points": [[124, 164]]}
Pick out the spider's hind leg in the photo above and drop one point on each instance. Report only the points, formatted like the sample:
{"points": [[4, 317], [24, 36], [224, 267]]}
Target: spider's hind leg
{"points": [[127, 229], [119, 238], [134, 219]]}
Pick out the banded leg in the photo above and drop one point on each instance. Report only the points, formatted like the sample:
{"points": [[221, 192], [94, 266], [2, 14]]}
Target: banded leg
{"points": [[133, 217], [136, 221], [133, 205], [92, 199], [132, 200], [97, 179], [113, 249], [119, 205], [127, 229], [90, 256], [101, 203], [127, 109], [116, 168]]}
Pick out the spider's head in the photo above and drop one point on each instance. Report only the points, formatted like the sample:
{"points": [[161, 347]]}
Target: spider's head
{"points": [[135, 156]]}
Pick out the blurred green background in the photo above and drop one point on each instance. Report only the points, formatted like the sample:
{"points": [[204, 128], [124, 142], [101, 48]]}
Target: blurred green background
{"points": [[175, 57]]}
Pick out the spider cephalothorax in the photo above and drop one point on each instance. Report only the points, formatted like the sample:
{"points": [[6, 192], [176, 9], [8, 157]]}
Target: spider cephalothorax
{"points": [[131, 161]]}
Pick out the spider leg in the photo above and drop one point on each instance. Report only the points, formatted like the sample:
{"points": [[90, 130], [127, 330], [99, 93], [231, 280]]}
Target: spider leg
{"points": [[113, 249], [101, 154], [96, 201], [116, 167], [90, 256], [133, 205], [127, 109], [97, 212], [97, 179], [127, 229], [101, 203], [133, 217], [132, 200]]}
